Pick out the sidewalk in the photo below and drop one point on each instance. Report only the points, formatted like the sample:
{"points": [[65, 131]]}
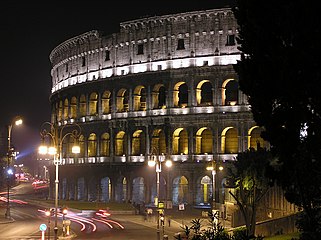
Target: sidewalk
{"points": [[169, 228], [174, 222], [3, 218]]}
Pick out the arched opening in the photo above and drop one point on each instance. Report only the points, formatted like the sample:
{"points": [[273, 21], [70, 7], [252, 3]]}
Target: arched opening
{"points": [[93, 107], [119, 144], [230, 92], [73, 107], [204, 95], [139, 98], [66, 109], [180, 95], [180, 190], [92, 145], [122, 100], [105, 184], [159, 97], [105, 102], [81, 189], [104, 145], [158, 142], [82, 106], [138, 194], [204, 141], [255, 139], [180, 141], [230, 141], [121, 190], [138, 143]]}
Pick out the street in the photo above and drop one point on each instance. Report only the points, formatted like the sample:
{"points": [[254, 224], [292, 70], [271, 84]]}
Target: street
{"points": [[28, 216]]}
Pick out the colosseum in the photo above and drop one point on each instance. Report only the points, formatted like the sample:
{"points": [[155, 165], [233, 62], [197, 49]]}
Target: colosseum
{"points": [[162, 88]]}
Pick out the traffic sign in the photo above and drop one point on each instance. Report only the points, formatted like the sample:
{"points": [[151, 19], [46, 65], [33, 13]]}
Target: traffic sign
{"points": [[161, 205], [43, 227], [181, 207]]}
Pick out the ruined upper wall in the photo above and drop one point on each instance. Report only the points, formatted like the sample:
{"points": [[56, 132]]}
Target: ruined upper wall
{"points": [[147, 44]]}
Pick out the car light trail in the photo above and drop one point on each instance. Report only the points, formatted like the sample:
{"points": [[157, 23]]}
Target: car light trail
{"points": [[117, 223], [84, 220], [103, 221]]}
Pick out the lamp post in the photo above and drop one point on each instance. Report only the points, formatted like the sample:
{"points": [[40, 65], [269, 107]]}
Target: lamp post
{"points": [[16, 121], [64, 213], [48, 214], [57, 137], [213, 169], [157, 163]]}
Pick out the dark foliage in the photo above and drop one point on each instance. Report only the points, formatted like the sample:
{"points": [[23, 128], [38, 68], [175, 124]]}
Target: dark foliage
{"points": [[248, 176], [280, 73]]}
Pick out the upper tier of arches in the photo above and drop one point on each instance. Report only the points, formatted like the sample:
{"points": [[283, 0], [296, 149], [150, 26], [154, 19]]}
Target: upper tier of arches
{"points": [[193, 39]]}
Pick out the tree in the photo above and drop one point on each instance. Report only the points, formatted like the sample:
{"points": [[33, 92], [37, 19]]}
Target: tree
{"points": [[248, 175], [280, 73]]}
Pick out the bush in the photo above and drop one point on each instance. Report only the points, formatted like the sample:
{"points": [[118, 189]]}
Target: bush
{"points": [[214, 232]]}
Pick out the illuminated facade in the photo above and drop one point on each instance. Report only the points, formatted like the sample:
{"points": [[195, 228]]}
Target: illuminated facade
{"points": [[162, 86]]}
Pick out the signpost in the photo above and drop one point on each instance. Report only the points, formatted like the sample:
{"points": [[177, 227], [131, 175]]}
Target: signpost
{"points": [[181, 208], [43, 228]]}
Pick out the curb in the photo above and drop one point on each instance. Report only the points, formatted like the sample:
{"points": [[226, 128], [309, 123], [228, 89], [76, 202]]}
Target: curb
{"points": [[5, 220]]}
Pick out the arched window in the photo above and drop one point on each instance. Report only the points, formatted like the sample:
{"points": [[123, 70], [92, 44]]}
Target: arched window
{"points": [[230, 92], [138, 143], [139, 98], [180, 141], [66, 109], [60, 110], [104, 145], [105, 102], [204, 96], [158, 142], [122, 100], [159, 97], [230, 141], [204, 141], [180, 95], [82, 106], [73, 107], [119, 143], [92, 145], [93, 109], [255, 139], [82, 146]]}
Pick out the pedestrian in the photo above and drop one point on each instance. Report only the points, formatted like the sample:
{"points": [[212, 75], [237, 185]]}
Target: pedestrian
{"points": [[169, 221]]}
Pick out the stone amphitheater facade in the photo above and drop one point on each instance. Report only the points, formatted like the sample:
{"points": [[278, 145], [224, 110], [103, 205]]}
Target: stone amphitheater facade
{"points": [[161, 88]]}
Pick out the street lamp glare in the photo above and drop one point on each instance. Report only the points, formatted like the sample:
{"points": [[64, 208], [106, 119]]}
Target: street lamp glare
{"points": [[151, 163], [42, 150], [168, 163], [48, 213], [57, 138], [210, 168], [157, 161], [75, 149], [18, 121], [52, 150]]}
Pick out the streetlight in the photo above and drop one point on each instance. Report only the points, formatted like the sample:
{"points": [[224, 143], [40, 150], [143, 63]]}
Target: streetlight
{"points": [[57, 137], [16, 121], [49, 214], [213, 168], [157, 163], [64, 213]]}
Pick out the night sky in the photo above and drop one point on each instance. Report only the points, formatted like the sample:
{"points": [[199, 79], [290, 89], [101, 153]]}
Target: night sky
{"points": [[30, 31]]}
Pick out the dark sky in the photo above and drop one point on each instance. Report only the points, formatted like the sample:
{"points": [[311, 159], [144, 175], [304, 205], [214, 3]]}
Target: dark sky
{"points": [[30, 31]]}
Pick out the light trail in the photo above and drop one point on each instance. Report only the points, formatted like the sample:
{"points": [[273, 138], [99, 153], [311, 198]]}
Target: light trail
{"points": [[83, 221], [103, 221]]}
